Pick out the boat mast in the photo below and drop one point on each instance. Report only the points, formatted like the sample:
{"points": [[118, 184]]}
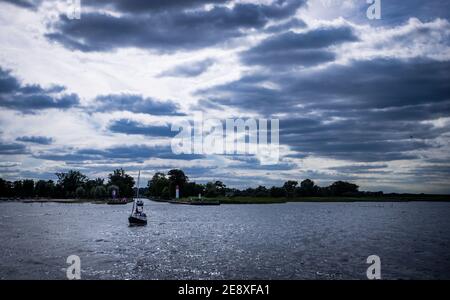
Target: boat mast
{"points": [[137, 191]]}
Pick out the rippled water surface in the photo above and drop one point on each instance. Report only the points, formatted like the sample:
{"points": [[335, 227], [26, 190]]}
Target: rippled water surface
{"points": [[281, 241]]}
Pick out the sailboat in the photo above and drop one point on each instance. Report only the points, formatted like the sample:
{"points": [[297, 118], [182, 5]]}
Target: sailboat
{"points": [[137, 216]]}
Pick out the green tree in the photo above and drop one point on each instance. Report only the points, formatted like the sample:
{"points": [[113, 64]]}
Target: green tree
{"points": [[50, 187], [176, 178], [165, 193], [215, 189], [98, 192], [122, 180], [193, 189], [277, 192], [307, 188], [41, 188], [220, 188], [340, 188], [289, 188], [6, 188], [18, 188], [70, 181], [157, 184], [80, 192], [92, 183], [28, 188], [261, 191], [210, 190]]}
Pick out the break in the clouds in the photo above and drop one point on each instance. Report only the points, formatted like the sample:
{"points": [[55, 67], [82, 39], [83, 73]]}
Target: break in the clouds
{"points": [[357, 99]]}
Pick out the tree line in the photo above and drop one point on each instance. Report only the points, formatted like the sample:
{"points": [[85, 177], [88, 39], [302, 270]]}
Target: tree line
{"points": [[71, 184], [163, 186], [74, 184]]}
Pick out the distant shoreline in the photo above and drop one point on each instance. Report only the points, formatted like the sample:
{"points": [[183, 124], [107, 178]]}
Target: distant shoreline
{"points": [[51, 200], [258, 200], [330, 199]]}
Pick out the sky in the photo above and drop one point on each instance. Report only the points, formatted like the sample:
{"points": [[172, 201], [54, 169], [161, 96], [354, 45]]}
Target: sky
{"points": [[358, 99]]}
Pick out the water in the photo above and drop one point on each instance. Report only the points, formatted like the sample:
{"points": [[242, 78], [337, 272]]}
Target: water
{"points": [[281, 241]]}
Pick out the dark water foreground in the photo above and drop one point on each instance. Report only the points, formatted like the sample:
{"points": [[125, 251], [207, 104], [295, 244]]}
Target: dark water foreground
{"points": [[279, 241]]}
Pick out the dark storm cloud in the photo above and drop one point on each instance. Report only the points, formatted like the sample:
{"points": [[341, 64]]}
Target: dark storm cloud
{"points": [[8, 83], [358, 139], [128, 6], [374, 84], [12, 148], [316, 38], [24, 3], [31, 98], [366, 111], [132, 127], [32, 103], [407, 113], [134, 103], [189, 70], [433, 171], [362, 169], [436, 160], [298, 49], [140, 6], [118, 153], [359, 129], [43, 140], [304, 58], [167, 31], [196, 171], [381, 83], [247, 162], [9, 164], [360, 151]]}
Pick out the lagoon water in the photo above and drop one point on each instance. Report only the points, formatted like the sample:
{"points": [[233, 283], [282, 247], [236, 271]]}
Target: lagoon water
{"points": [[279, 241]]}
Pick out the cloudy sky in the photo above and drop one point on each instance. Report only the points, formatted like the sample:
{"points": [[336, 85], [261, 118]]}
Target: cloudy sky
{"points": [[362, 100]]}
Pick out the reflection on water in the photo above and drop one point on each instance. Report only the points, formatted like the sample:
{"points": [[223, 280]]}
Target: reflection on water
{"points": [[281, 241]]}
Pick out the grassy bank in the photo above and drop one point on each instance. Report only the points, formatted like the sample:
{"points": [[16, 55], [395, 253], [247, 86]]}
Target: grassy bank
{"points": [[265, 200], [385, 198], [251, 200]]}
